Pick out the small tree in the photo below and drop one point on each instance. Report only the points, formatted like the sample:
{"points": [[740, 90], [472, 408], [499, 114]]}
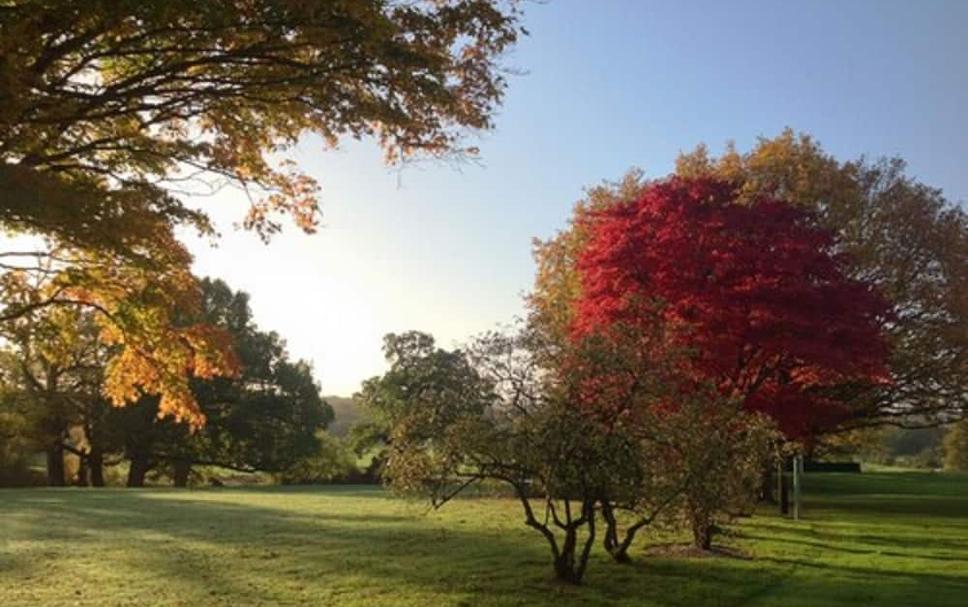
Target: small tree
{"points": [[678, 448], [717, 451], [493, 413]]}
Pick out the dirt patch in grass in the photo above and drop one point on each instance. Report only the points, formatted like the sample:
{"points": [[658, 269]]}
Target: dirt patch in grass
{"points": [[691, 551]]}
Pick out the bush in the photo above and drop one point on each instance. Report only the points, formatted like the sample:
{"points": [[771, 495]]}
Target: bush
{"points": [[15, 450], [332, 461], [956, 447], [718, 453]]}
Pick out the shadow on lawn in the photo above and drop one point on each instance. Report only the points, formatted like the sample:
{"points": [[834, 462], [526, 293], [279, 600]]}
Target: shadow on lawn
{"points": [[204, 544]]}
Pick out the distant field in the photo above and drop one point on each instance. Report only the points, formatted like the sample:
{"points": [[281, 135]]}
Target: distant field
{"points": [[875, 539]]}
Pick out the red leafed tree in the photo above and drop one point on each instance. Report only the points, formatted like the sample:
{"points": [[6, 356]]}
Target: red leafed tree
{"points": [[755, 294]]}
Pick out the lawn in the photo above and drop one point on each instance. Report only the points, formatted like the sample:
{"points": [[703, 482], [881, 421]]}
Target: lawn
{"points": [[878, 538]]}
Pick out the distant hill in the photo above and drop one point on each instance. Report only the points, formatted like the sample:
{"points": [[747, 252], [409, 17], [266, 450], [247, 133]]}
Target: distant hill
{"points": [[346, 414]]}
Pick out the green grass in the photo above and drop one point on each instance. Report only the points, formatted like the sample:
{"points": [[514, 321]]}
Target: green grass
{"points": [[874, 539]]}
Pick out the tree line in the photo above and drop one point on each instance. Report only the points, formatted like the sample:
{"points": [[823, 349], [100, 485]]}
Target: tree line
{"points": [[266, 417]]}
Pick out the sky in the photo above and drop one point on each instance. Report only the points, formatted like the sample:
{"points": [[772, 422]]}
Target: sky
{"points": [[599, 87]]}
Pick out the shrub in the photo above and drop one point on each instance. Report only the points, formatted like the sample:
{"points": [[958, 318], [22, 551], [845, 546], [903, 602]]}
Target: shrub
{"points": [[956, 447]]}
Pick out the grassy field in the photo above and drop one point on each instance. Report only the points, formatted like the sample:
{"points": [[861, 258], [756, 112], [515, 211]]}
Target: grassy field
{"points": [[874, 539]]}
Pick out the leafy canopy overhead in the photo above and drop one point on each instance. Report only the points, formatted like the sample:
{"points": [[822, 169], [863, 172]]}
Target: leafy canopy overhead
{"points": [[106, 106]]}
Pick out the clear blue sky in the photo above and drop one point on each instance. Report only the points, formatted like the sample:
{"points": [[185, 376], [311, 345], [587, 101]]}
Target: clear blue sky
{"points": [[608, 84]]}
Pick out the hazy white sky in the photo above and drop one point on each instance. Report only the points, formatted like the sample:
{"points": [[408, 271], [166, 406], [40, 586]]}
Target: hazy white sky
{"points": [[609, 85], [397, 251]]}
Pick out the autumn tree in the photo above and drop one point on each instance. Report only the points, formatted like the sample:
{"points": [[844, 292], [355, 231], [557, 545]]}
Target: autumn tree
{"points": [[756, 292], [754, 307], [105, 104], [110, 110], [897, 233], [54, 367], [134, 311], [900, 235], [264, 419], [557, 284]]}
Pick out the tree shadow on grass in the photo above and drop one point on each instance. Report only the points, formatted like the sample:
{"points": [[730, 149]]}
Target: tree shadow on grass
{"points": [[358, 548], [911, 537]]}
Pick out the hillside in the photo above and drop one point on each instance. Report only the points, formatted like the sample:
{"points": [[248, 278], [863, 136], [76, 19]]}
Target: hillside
{"points": [[347, 414]]}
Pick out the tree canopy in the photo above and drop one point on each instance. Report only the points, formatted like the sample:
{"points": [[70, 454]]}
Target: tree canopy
{"points": [[899, 234], [896, 233], [754, 294], [112, 112], [108, 106]]}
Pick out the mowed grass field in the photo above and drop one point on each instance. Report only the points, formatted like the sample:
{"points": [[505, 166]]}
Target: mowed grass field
{"points": [[874, 539]]}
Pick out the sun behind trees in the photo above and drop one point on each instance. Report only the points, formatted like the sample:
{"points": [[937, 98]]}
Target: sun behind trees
{"points": [[109, 111]]}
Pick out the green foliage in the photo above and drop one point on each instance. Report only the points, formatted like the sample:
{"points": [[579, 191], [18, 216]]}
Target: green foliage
{"points": [[956, 447], [16, 444], [886, 445], [57, 361], [416, 408], [719, 453], [267, 418], [346, 414], [453, 419], [333, 459]]}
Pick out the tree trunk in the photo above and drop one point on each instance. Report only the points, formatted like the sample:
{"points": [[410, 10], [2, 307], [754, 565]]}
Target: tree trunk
{"points": [[703, 526], [83, 473], [55, 465], [619, 550], [768, 485], [566, 569], [784, 490], [95, 463], [569, 562], [183, 468], [138, 470], [702, 535]]}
